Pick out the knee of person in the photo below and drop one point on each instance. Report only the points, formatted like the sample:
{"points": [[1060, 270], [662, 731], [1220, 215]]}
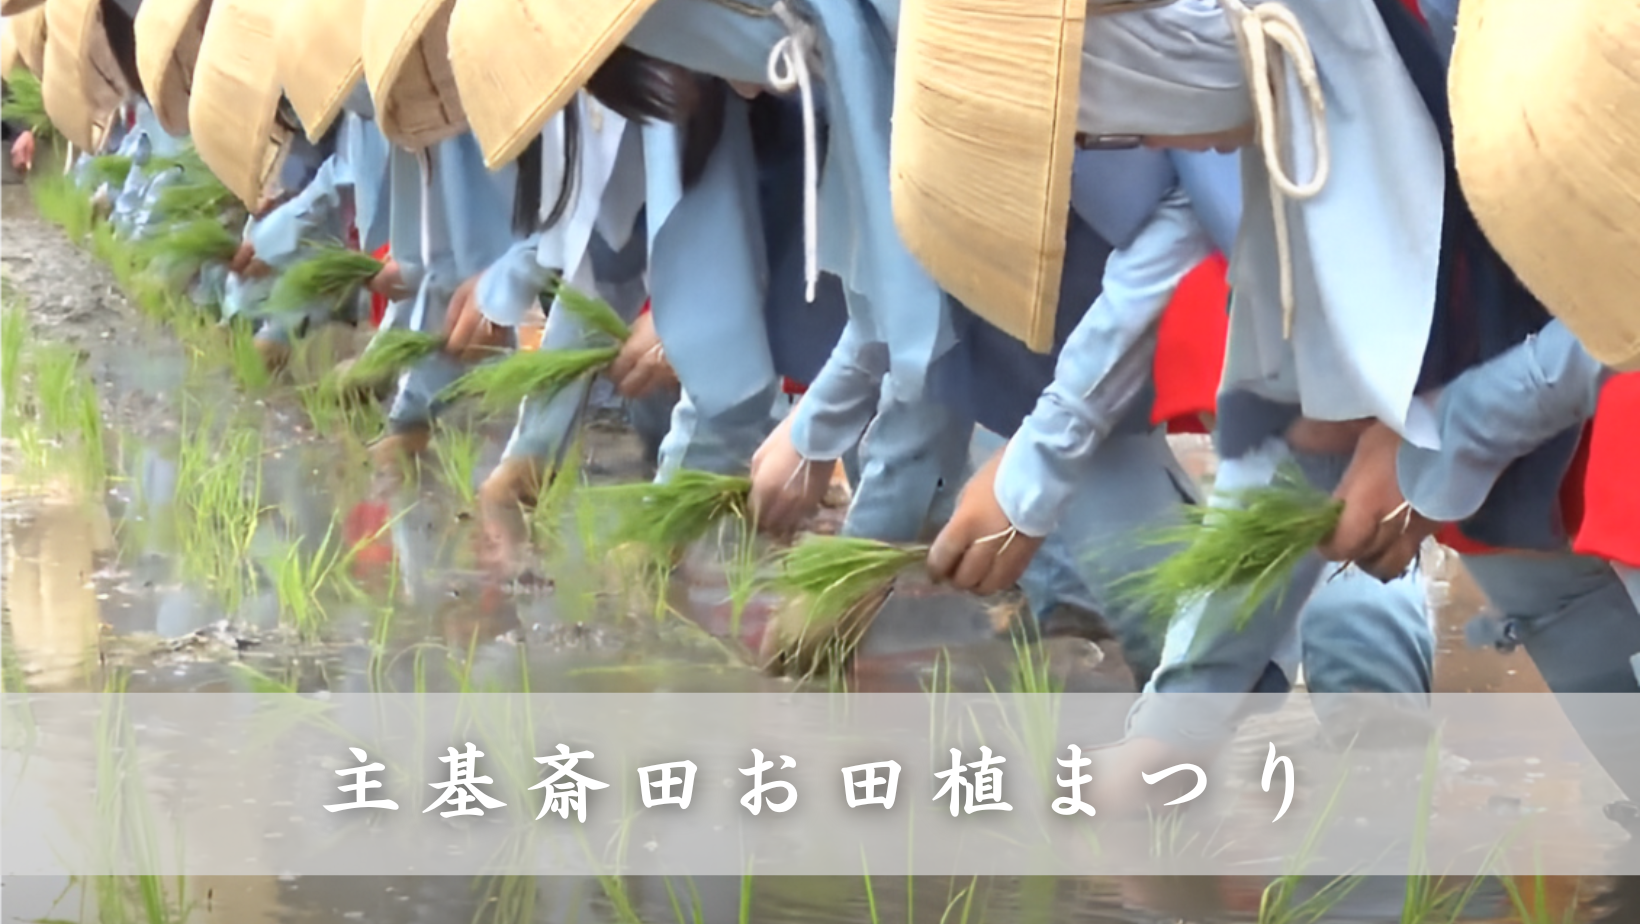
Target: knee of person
{"points": [[1360, 636]]}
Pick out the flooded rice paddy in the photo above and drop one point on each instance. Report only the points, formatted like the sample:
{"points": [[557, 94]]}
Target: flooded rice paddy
{"points": [[175, 522]]}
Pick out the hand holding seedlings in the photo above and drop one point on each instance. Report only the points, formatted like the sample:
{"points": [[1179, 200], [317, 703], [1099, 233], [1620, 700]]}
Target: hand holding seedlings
{"points": [[642, 369], [1378, 530], [245, 265], [468, 335], [786, 488], [389, 283], [980, 550]]}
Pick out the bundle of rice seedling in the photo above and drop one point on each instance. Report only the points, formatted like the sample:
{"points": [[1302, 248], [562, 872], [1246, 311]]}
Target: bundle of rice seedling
{"points": [[503, 384], [183, 249], [835, 586], [1249, 546], [500, 385], [667, 517], [595, 312], [330, 276], [26, 104], [389, 353], [196, 197], [108, 168]]}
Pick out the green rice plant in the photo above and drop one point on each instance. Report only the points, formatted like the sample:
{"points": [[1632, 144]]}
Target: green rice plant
{"points": [[1532, 907], [218, 516], [966, 896], [458, 451], [62, 203], [14, 336], [301, 580], [178, 253], [1249, 546], [501, 385], [249, 369], [668, 516], [594, 312], [390, 352], [26, 105], [197, 196], [834, 586], [1280, 903], [697, 910], [108, 168], [331, 276]]}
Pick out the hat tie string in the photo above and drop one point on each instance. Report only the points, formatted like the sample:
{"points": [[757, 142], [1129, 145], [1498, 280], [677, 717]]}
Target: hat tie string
{"points": [[788, 71], [1266, 33]]}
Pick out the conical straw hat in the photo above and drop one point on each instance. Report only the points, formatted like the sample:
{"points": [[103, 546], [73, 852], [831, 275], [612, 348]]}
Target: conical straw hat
{"points": [[11, 57], [10, 8], [321, 58], [236, 94], [518, 62], [407, 64], [1542, 115], [168, 36], [82, 84], [30, 31], [985, 107]]}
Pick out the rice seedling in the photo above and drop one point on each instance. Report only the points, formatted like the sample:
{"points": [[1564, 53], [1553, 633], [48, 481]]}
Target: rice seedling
{"points": [[1248, 546], [26, 105], [247, 365], [390, 352], [1532, 902], [62, 203], [594, 312], [501, 385], [834, 587], [197, 196], [668, 516], [300, 580], [183, 249], [1280, 903], [112, 169], [966, 897], [331, 276], [14, 335], [458, 451]]}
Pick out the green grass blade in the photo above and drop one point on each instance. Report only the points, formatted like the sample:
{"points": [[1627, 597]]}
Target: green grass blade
{"points": [[595, 312], [186, 248], [390, 352], [502, 384], [26, 104], [669, 516], [330, 275]]}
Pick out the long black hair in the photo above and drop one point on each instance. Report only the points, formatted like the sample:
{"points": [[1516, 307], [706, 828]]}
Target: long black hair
{"points": [[122, 40], [639, 88]]}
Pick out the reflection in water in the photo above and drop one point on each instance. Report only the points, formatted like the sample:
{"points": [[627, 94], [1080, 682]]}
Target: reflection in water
{"points": [[51, 602]]}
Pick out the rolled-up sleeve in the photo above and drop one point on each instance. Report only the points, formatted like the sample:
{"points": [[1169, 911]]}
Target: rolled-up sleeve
{"points": [[1496, 413], [280, 236], [842, 400], [1105, 365], [513, 284]]}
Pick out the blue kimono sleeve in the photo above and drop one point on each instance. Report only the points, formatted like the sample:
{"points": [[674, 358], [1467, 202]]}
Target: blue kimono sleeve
{"points": [[1104, 367], [279, 237], [1496, 413], [513, 284], [842, 400]]}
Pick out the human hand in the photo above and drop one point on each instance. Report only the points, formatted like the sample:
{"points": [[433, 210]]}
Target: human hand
{"points": [[979, 550], [389, 283], [786, 488], [468, 335], [22, 152], [1379, 531], [642, 367]]}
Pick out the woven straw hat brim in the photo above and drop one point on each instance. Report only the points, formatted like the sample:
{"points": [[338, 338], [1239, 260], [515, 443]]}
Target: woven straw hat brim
{"points": [[82, 84], [985, 106], [407, 65], [321, 58], [235, 98], [11, 8], [31, 40], [30, 32], [1550, 174], [11, 57], [169, 33], [519, 62]]}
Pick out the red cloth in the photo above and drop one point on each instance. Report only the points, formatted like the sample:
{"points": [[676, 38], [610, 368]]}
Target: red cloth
{"points": [[367, 523], [1190, 344], [378, 303], [1611, 488]]}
